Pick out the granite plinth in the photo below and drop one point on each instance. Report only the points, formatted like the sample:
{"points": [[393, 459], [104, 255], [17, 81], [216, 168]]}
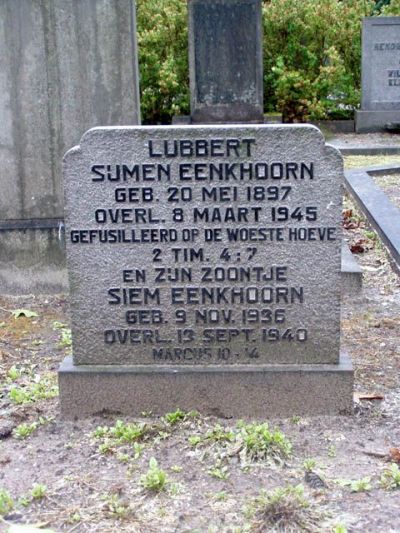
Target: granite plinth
{"points": [[237, 391], [368, 121], [351, 277]]}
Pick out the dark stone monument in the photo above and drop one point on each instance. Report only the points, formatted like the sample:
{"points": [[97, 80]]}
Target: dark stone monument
{"points": [[380, 103], [225, 58], [204, 267]]}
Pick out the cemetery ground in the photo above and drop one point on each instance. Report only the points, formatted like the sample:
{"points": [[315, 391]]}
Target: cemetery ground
{"points": [[187, 472]]}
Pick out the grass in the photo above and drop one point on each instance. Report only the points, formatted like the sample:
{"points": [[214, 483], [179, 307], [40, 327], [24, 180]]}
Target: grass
{"points": [[114, 507], [332, 452], [6, 502], [130, 436], [121, 433], [220, 496], [219, 434], [359, 161], [194, 440], [134, 433], [283, 509], [38, 491], [128, 432], [387, 180], [356, 485], [13, 373], [176, 468], [390, 479], [361, 485], [137, 449], [389, 183], [24, 430], [175, 417], [339, 528], [32, 392], [65, 340], [219, 472], [309, 464], [106, 447], [261, 443], [154, 479]]}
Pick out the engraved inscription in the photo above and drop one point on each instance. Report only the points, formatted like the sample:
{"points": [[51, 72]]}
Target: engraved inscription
{"points": [[207, 243]]}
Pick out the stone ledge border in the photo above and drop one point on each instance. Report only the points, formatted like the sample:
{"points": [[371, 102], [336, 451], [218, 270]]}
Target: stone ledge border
{"points": [[383, 216], [366, 150]]}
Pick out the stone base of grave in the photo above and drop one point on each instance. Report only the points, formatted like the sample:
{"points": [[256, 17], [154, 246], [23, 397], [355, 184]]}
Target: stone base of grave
{"points": [[245, 391], [351, 277], [370, 121]]}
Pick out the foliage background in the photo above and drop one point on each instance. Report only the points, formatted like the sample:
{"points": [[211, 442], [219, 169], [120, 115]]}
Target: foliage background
{"points": [[312, 56]]}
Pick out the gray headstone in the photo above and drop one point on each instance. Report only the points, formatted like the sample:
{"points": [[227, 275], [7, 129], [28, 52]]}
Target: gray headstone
{"points": [[221, 241], [225, 58], [380, 103], [208, 254], [65, 66]]}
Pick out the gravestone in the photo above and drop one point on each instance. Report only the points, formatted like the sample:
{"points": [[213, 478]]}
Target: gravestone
{"points": [[204, 267], [65, 66], [225, 60], [380, 103]]}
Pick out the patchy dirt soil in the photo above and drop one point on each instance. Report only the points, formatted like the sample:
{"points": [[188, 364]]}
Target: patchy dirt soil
{"points": [[390, 184], [358, 161], [209, 474]]}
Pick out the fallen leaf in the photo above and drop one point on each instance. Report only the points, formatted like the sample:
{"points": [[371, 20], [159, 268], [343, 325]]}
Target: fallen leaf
{"points": [[347, 213], [395, 455], [350, 225], [23, 312], [361, 245]]}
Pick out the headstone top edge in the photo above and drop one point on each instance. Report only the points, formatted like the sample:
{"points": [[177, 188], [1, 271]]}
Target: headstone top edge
{"points": [[222, 2], [185, 128], [334, 151], [198, 127], [75, 150], [380, 21]]}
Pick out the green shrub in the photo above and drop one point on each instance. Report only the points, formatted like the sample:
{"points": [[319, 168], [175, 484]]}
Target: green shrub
{"points": [[163, 59], [312, 56], [388, 8]]}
